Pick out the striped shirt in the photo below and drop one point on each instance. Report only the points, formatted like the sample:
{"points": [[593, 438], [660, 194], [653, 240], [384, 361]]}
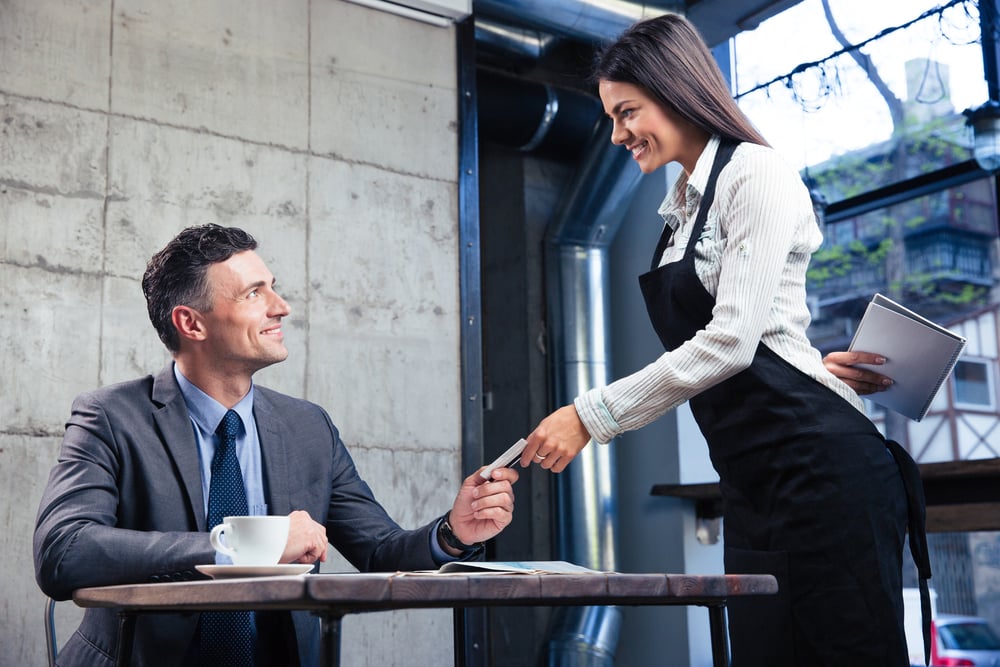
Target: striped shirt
{"points": [[752, 257]]}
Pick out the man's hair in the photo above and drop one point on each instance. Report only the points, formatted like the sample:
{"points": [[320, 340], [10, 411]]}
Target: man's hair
{"points": [[667, 57], [177, 275]]}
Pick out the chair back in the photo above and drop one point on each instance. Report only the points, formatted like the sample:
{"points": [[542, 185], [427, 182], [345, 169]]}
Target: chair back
{"points": [[50, 631]]}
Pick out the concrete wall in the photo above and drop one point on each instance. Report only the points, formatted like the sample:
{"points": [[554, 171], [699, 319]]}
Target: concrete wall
{"points": [[326, 129]]}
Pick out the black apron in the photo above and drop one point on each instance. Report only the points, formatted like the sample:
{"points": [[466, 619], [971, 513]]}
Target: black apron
{"points": [[812, 494]]}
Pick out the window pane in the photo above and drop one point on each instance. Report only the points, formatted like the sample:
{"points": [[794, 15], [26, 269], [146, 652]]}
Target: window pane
{"points": [[934, 254], [906, 82], [972, 383], [887, 119], [875, 119], [969, 637]]}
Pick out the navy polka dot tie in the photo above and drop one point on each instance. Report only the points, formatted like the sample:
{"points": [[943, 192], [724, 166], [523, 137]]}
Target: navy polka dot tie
{"points": [[227, 637]]}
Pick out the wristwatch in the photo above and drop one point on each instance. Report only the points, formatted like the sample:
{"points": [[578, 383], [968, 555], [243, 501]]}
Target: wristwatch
{"points": [[447, 536]]}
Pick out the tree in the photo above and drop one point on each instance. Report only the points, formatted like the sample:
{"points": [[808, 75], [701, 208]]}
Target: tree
{"points": [[889, 252]]}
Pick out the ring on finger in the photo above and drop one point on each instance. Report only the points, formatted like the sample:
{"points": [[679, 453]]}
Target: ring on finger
{"points": [[539, 457]]}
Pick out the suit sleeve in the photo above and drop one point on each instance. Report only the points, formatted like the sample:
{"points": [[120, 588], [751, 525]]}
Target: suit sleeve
{"points": [[324, 480], [100, 519], [359, 527]]}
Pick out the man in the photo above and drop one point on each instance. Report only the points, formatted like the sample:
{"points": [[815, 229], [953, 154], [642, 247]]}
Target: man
{"points": [[128, 500]]}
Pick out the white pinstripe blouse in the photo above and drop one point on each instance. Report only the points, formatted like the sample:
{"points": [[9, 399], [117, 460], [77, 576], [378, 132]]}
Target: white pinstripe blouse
{"points": [[752, 257]]}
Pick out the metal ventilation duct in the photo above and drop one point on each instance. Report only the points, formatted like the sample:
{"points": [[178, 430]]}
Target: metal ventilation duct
{"points": [[587, 21], [514, 43], [600, 20], [577, 286], [576, 250], [533, 116]]}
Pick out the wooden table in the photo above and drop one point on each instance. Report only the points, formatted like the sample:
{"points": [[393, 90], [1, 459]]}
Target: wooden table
{"points": [[332, 596]]}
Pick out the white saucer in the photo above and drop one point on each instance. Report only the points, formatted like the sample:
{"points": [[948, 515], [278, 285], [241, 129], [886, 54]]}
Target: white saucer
{"points": [[232, 571]]}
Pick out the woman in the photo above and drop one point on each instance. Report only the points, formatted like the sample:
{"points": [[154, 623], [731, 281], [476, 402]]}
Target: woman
{"points": [[812, 492]]}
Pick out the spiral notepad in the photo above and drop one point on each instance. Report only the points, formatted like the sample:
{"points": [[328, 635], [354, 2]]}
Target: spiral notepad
{"points": [[919, 355]]}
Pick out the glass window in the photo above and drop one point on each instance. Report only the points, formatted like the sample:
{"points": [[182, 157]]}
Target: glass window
{"points": [[908, 86], [968, 636], [878, 133], [935, 254], [973, 380], [867, 99]]}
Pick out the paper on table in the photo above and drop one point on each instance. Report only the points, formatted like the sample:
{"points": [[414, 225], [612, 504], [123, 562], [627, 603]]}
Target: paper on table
{"points": [[919, 355], [511, 567]]}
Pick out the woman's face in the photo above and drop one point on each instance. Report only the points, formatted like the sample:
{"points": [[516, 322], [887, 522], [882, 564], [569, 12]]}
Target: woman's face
{"points": [[654, 135]]}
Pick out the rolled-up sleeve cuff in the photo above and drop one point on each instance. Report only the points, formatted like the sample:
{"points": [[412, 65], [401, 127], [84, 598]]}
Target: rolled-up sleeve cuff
{"points": [[596, 417]]}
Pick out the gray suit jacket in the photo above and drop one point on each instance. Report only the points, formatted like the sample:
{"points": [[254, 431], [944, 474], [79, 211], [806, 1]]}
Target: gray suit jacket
{"points": [[124, 505]]}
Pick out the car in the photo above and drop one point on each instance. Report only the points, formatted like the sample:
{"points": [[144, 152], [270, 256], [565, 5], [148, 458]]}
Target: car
{"points": [[963, 641]]}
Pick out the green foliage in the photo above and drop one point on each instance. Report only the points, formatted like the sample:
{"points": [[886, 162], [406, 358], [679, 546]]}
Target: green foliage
{"points": [[913, 149], [926, 286], [879, 251]]}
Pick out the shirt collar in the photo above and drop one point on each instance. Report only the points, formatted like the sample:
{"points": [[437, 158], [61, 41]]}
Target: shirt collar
{"points": [[207, 412], [703, 167], [687, 190]]}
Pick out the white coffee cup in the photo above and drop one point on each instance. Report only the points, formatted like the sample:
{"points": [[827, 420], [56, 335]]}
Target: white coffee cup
{"points": [[251, 540]]}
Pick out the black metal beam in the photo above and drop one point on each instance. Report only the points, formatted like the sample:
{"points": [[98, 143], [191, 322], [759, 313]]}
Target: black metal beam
{"points": [[918, 186], [989, 24], [469, 262], [471, 625]]}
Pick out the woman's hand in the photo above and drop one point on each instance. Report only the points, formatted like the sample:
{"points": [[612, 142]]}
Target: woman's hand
{"points": [[556, 440], [861, 380]]}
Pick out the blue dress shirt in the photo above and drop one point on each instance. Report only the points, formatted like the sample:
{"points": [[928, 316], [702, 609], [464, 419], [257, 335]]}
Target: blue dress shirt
{"points": [[206, 414]]}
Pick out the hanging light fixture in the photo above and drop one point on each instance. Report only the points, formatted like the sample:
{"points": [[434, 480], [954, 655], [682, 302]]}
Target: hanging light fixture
{"points": [[985, 123]]}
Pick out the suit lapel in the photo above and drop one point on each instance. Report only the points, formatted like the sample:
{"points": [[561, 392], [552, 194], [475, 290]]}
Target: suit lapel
{"points": [[273, 453], [174, 423]]}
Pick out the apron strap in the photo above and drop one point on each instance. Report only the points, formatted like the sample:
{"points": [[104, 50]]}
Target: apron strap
{"points": [[916, 509], [722, 155]]}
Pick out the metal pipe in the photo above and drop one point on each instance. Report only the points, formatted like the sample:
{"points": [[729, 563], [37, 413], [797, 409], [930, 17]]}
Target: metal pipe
{"points": [[587, 638], [519, 43], [585, 491], [577, 244], [533, 116], [587, 21], [576, 253]]}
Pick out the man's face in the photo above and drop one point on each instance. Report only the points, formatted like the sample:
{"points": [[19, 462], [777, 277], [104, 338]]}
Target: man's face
{"points": [[244, 325]]}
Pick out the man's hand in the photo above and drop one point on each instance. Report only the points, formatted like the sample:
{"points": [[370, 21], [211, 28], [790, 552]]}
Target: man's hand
{"points": [[306, 540], [483, 508], [556, 440], [861, 380]]}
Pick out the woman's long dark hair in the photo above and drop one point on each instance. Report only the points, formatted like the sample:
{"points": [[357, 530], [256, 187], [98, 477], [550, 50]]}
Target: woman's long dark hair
{"points": [[667, 57]]}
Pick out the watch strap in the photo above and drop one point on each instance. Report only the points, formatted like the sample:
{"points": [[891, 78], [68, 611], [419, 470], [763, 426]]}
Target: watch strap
{"points": [[447, 536]]}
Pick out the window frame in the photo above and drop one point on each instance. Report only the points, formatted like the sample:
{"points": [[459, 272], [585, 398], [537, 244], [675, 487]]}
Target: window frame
{"points": [[991, 385]]}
